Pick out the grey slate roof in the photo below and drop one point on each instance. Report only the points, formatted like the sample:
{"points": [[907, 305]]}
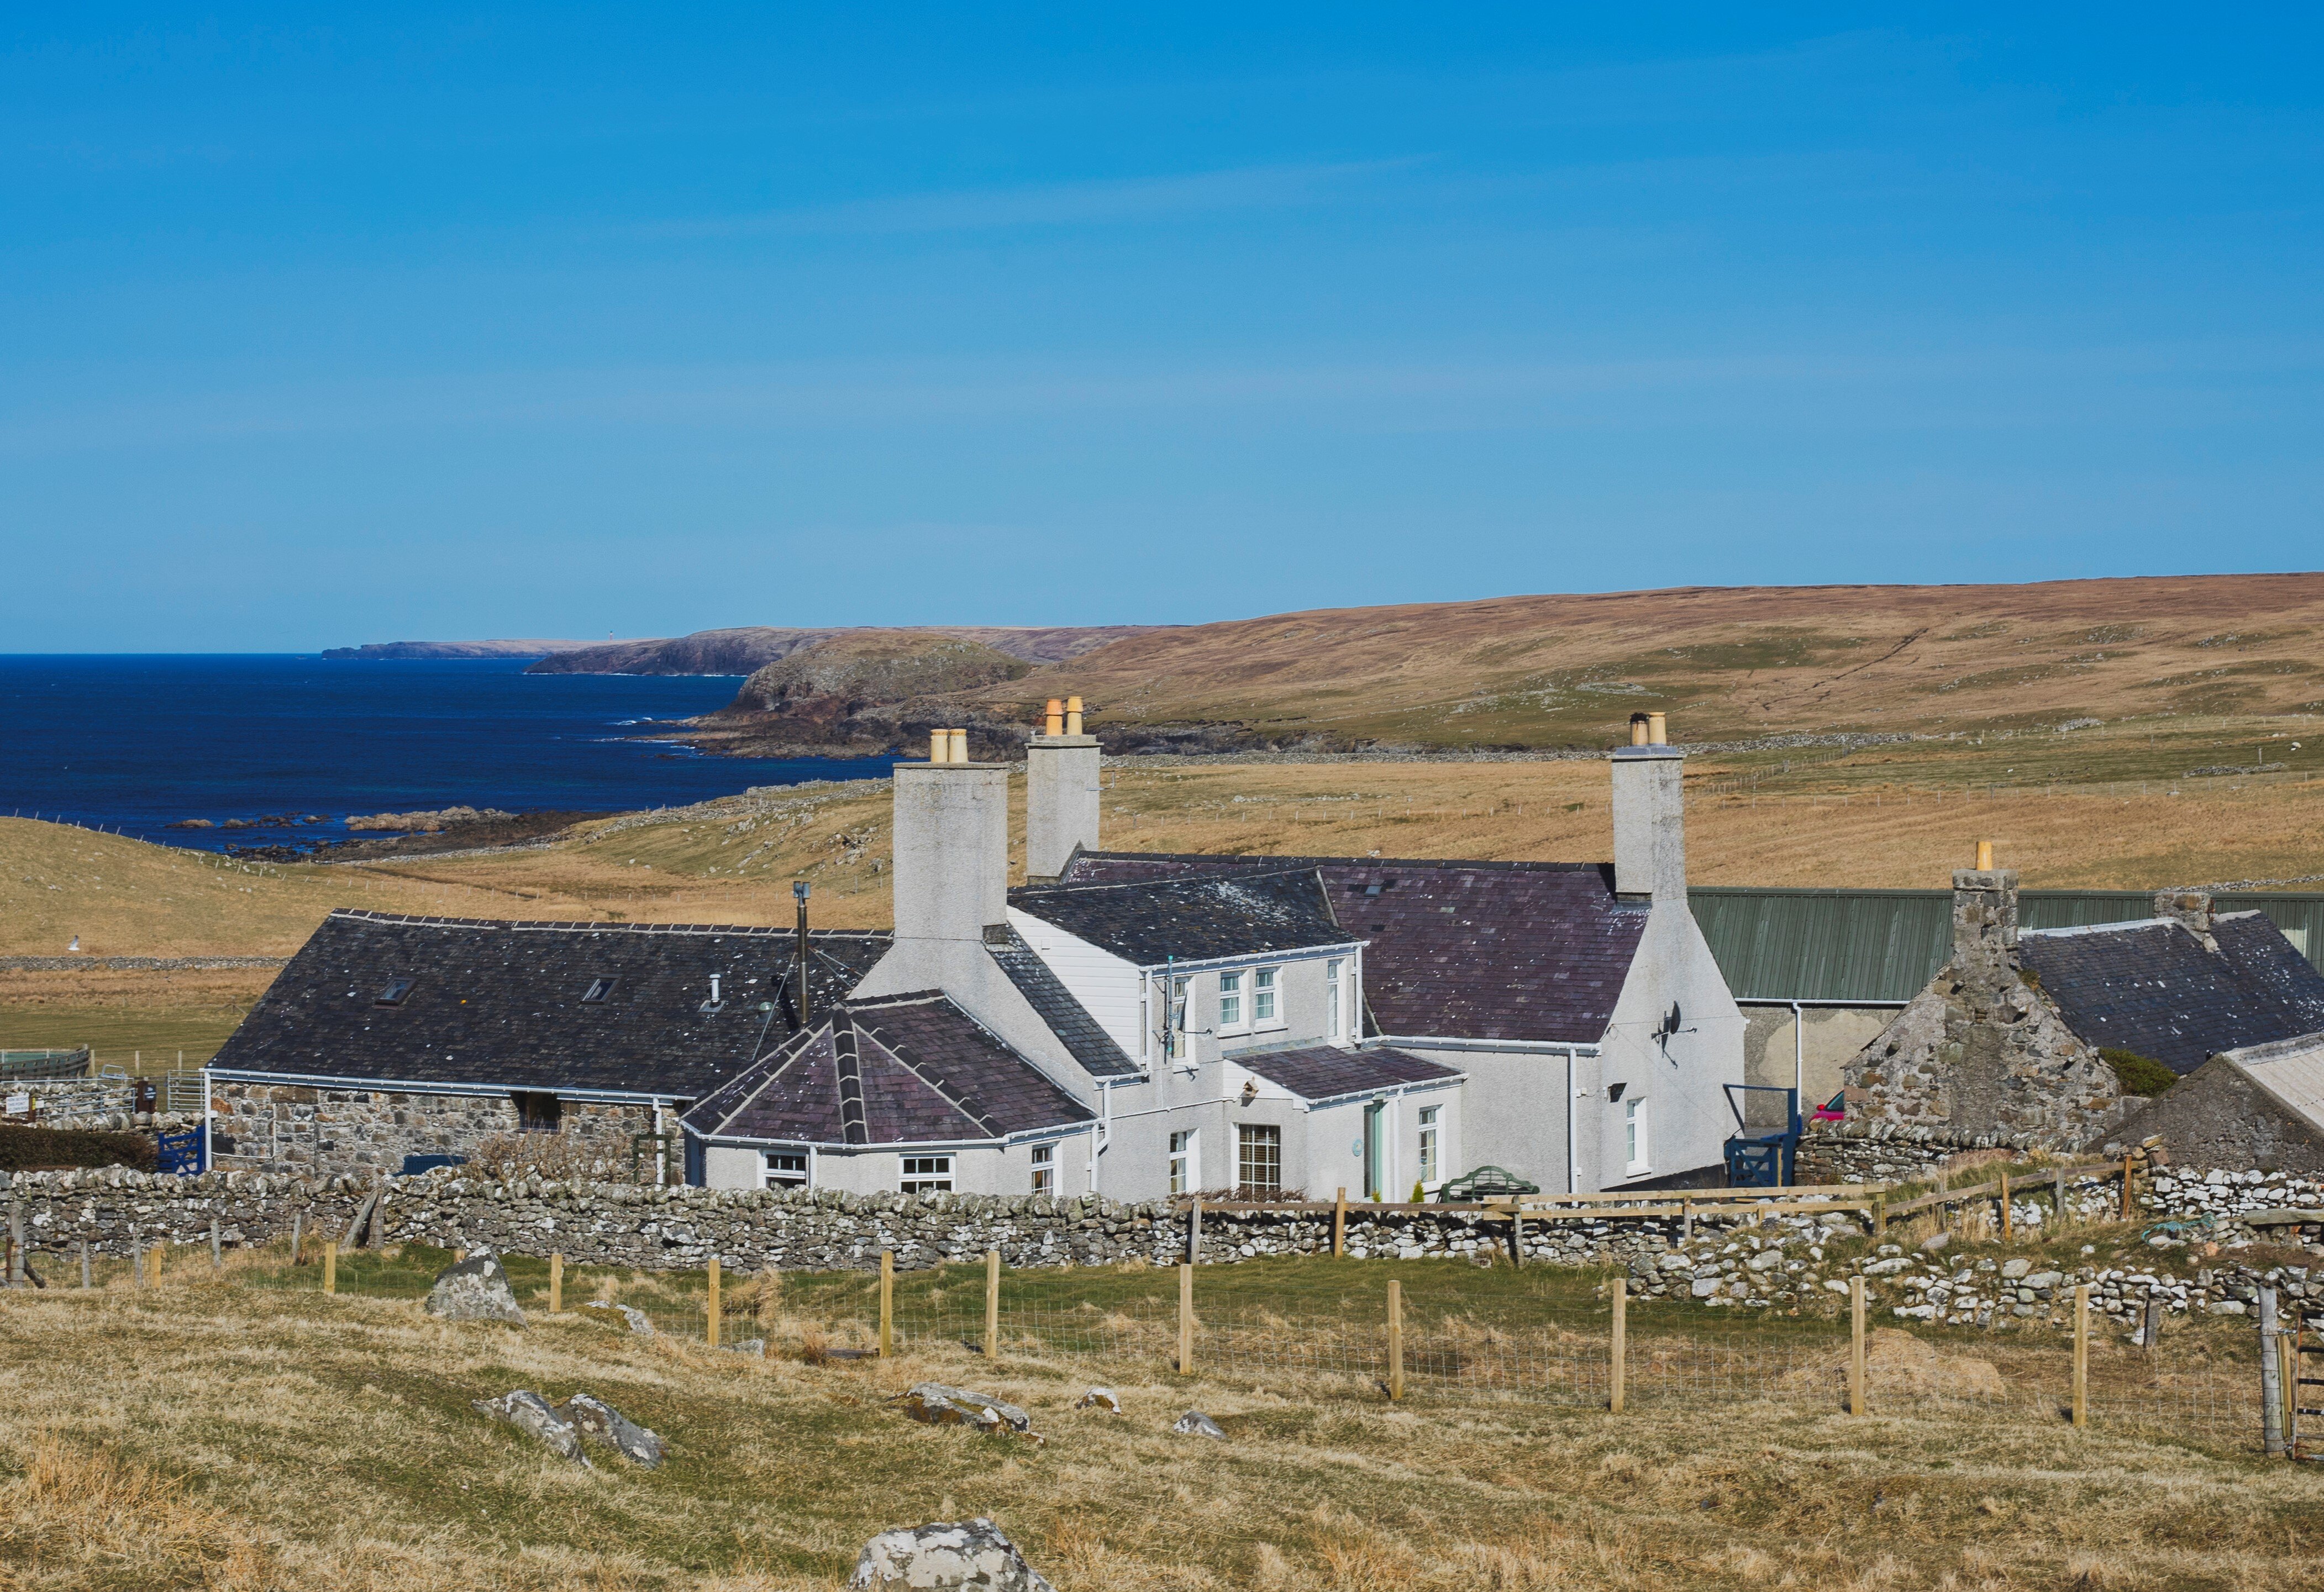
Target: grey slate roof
{"points": [[498, 1004], [1518, 951], [903, 1069], [1325, 1072], [1225, 912], [1067, 1018], [2151, 988]]}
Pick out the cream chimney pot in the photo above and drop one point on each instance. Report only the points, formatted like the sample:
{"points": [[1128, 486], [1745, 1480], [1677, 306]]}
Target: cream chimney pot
{"points": [[958, 742], [1053, 720], [939, 747], [1637, 729], [1073, 715], [1984, 856], [1657, 730]]}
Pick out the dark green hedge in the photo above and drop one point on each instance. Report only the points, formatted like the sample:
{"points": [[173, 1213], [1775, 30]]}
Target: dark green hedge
{"points": [[30, 1149], [2138, 1074]]}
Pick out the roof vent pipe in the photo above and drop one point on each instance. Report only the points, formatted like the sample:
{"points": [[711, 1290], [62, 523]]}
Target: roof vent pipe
{"points": [[1073, 715]]}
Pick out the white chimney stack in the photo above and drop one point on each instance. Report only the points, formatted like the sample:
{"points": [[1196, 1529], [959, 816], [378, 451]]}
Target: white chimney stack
{"points": [[1061, 791], [1649, 815]]}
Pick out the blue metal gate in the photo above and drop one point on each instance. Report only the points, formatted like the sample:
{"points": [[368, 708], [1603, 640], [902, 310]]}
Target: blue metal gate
{"points": [[185, 1153]]}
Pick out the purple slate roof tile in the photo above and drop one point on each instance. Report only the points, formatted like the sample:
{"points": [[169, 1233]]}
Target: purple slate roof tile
{"points": [[1325, 1072], [500, 1005], [922, 1069], [2154, 989], [1518, 951]]}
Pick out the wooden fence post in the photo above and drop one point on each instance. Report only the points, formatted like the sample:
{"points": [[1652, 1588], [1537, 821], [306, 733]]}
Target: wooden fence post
{"points": [[1618, 1361], [1856, 1400], [1339, 1224], [1880, 1214], [15, 1243], [2058, 1196], [298, 1235], [556, 1282], [86, 1280], [1395, 1340], [2081, 1354], [217, 1255], [887, 1303], [1516, 1235], [1194, 1230], [330, 1266], [2125, 1188], [1185, 1319], [711, 1321], [2007, 1217], [2270, 1383], [157, 1265], [991, 1303]]}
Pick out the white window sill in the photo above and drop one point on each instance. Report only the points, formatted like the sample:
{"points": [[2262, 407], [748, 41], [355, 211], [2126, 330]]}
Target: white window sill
{"points": [[1638, 1169]]}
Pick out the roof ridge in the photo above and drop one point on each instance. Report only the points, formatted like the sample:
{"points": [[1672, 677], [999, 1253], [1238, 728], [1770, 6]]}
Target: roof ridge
{"points": [[522, 925]]}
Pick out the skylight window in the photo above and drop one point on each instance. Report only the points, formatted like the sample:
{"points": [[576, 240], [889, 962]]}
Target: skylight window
{"points": [[397, 988], [598, 990]]}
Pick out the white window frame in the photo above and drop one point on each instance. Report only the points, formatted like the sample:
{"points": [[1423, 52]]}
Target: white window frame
{"points": [[789, 1177], [1186, 1161], [1234, 1001], [923, 1174], [1247, 1134], [1267, 989], [1045, 1168], [1334, 1025], [1635, 1141], [1431, 1146], [1180, 995]]}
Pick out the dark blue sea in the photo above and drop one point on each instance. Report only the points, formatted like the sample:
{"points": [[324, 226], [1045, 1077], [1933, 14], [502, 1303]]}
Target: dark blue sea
{"points": [[137, 742]]}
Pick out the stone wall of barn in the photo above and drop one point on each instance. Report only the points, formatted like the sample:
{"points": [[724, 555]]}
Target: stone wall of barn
{"points": [[277, 1128]]}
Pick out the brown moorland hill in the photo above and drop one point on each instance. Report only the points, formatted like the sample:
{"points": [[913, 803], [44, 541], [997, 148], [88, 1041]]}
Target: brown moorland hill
{"points": [[1730, 663]]}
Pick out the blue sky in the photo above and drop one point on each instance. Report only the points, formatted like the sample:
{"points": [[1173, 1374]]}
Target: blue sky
{"points": [[570, 321]]}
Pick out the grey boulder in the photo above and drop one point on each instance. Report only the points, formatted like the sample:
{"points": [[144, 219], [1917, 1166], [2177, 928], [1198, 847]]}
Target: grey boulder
{"points": [[1935, 1241], [474, 1290], [1195, 1423], [936, 1404], [537, 1418], [599, 1420], [947, 1554], [622, 1318]]}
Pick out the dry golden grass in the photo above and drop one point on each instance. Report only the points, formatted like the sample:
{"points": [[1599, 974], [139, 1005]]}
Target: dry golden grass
{"points": [[217, 1434]]}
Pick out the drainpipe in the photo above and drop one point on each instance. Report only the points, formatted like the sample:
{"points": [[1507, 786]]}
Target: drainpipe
{"points": [[1104, 1140], [1572, 1133], [1799, 1053]]}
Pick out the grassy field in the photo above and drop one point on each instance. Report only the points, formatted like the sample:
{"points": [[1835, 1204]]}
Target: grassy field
{"points": [[247, 1433]]}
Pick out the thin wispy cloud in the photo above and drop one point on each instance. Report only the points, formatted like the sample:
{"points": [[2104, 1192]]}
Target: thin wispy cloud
{"points": [[1096, 203]]}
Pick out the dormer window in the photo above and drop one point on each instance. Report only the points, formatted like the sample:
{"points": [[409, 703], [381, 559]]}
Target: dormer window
{"points": [[393, 994], [598, 990]]}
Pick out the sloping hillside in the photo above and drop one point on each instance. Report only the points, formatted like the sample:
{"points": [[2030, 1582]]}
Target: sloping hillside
{"points": [[750, 648], [1726, 663]]}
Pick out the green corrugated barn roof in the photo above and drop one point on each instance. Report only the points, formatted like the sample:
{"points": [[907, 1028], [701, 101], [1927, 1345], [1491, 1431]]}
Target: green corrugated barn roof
{"points": [[1884, 945]]}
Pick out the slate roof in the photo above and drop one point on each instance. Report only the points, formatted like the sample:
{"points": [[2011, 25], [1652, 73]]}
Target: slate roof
{"points": [[1227, 912], [1515, 950], [1325, 1072], [1068, 1019], [498, 1004], [2153, 989], [904, 1069]]}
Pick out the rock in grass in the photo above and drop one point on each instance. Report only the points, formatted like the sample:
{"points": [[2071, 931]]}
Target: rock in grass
{"points": [[1099, 1398], [1934, 1242], [947, 1554], [622, 1318], [1195, 1423], [597, 1418], [936, 1404], [536, 1417], [474, 1290]]}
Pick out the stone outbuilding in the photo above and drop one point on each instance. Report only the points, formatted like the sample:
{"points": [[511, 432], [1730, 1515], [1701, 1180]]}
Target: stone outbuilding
{"points": [[2006, 1041], [2259, 1108]]}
